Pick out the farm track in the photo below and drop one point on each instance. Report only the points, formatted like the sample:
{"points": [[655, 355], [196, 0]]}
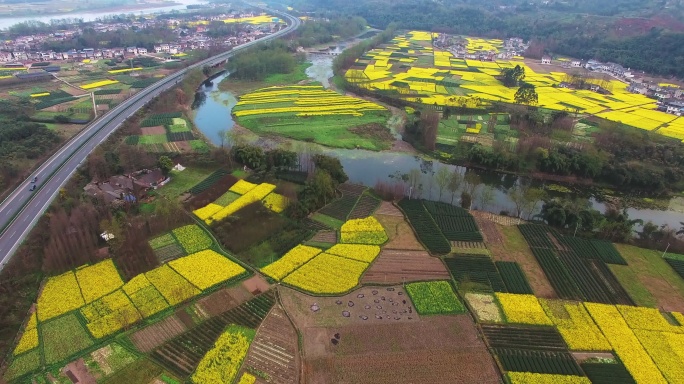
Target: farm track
{"points": [[274, 349], [397, 266], [388, 209]]}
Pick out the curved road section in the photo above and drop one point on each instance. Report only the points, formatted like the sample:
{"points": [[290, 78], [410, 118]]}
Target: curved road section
{"points": [[21, 210]]}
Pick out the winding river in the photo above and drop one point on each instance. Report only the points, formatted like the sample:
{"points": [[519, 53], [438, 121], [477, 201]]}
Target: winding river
{"points": [[213, 116]]}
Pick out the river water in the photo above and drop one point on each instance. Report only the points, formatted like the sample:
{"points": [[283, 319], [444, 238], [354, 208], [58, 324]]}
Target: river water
{"points": [[368, 168], [6, 22]]}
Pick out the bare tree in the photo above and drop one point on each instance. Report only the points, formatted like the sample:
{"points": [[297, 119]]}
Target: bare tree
{"points": [[486, 196], [454, 183], [442, 179], [429, 124], [414, 183]]}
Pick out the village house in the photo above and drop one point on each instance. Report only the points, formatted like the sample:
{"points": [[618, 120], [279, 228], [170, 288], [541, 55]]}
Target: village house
{"points": [[546, 60], [126, 188], [576, 64]]}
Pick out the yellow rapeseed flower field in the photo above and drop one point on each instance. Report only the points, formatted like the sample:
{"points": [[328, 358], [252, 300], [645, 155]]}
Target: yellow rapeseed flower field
{"points": [[625, 343], [327, 274], [171, 285], [60, 295], [98, 84], [292, 260], [98, 280], [206, 268], [523, 309]]}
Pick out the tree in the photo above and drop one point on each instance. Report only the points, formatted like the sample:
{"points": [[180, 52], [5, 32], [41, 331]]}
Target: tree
{"points": [[511, 77], [454, 183], [429, 124], [165, 164], [486, 196], [526, 198], [332, 166], [414, 183], [526, 94], [442, 178]]}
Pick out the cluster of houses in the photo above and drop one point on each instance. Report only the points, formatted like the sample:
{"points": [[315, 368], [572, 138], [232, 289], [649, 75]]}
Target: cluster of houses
{"points": [[458, 46], [26, 49], [670, 97], [121, 189]]}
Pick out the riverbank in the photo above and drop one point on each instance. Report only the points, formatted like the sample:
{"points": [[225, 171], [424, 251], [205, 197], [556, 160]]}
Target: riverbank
{"points": [[371, 168]]}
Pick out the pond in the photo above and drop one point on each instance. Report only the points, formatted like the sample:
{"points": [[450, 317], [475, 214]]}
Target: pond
{"points": [[368, 168]]}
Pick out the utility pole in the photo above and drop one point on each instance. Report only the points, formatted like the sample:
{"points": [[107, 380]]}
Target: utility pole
{"points": [[666, 248]]}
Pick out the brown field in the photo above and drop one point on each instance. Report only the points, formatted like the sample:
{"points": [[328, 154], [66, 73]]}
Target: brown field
{"points": [[377, 304], [399, 232], [325, 237], [436, 349], [223, 300], [506, 243], [274, 350], [397, 266], [158, 130], [157, 334], [388, 209]]}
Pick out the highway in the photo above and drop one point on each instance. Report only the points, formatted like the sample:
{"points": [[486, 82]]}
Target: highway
{"points": [[20, 211]]}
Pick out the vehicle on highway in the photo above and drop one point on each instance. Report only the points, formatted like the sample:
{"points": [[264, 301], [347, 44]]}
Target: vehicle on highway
{"points": [[33, 188], [35, 178]]}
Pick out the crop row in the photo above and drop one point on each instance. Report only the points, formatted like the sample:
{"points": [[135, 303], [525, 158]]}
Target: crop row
{"points": [[523, 337], [144, 83], [593, 249], [513, 277], [179, 136], [518, 360], [607, 373], [100, 92], [478, 269], [340, 208], [428, 232], [156, 121], [558, 275], [438, 208], [182, 354], [537, 236], [365, 207], [208, 181], [47, 103], [167, 115], [677, 265], [574, 277]]}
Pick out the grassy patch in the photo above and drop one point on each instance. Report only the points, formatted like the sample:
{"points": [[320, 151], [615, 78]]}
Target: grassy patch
{"points": [[142, 371], [183, 181], [630, 282], [327, 220], [23, 365], [299, 74], [650, 270], [63, 337], [435, 297]]}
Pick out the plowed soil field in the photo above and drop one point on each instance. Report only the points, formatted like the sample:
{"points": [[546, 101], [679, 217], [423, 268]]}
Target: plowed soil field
{"points": [[398, 266]]}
